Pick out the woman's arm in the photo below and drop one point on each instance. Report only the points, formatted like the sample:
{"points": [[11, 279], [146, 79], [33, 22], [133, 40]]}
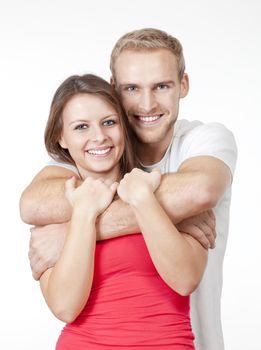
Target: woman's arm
{"points": [[66, 286], [179, 258]]}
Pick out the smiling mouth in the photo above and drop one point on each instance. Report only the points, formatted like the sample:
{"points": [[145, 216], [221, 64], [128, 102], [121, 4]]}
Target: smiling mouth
{"points": [[99, 152], [149, 119]]}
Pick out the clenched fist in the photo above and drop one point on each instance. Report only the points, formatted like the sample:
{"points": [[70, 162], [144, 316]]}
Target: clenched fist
{"points": [[137, 185], [93, 195]]}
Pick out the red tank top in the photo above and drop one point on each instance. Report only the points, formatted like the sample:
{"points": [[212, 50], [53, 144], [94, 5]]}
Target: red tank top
{"points": [[130, 306]]}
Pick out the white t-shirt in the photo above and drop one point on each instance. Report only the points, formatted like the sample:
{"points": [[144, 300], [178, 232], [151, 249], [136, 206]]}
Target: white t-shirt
{"points": [[192, 139]]}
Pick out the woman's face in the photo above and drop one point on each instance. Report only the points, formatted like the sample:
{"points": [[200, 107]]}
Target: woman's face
{"points": [[93, 136]]}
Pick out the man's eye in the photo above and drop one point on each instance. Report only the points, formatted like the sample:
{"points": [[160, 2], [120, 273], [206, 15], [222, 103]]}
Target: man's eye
{"points": [[109, 122], [131, 88], [81, 126], [162, 87]]}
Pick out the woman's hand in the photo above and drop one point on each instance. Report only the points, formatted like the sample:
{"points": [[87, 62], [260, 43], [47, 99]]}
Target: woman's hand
{"points": [[138, 185], [93, 195]]}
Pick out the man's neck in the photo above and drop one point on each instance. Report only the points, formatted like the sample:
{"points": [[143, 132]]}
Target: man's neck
{"points": [[151, 153]]}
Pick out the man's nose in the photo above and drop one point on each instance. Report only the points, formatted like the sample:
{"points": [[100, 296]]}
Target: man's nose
{"points": [[147, 101]]}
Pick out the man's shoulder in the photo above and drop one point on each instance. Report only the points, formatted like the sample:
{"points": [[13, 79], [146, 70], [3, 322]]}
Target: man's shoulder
{"points": [[194, 138], [184, 127], [57, 162]]}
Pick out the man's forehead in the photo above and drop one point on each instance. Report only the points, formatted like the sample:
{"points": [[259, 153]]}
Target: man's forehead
{"points": [[160, 64]]}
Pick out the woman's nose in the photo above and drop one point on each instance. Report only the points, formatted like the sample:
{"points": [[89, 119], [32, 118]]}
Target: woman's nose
{"points": [[98, 135]]}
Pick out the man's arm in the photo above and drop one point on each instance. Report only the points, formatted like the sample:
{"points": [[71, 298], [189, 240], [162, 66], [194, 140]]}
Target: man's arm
{"points": [[43, 202], [197, 186], [46, 242]]}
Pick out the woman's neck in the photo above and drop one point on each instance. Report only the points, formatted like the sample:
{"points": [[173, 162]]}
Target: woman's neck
{"points": [[112, 175]]}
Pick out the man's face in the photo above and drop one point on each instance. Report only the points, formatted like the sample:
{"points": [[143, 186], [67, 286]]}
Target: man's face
{"points": [[150, 90]]}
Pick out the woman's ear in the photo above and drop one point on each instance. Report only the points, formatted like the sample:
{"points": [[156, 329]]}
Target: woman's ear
{"points": [[63, 143]]}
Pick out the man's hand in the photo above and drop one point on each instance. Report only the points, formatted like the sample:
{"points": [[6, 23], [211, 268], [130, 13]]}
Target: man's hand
{"points": [[201, 227], [46, 244]]}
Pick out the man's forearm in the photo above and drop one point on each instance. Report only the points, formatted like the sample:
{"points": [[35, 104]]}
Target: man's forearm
{"points": [[117, 220], [46, 204], [180, 195], [183, 196], [196, 187], [43, 202]]}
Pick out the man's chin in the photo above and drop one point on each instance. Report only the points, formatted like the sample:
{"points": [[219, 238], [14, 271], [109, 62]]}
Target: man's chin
{"points": [[147, 139]]}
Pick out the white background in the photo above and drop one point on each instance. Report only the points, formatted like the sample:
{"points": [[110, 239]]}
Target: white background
{"points": [[43, 42]]}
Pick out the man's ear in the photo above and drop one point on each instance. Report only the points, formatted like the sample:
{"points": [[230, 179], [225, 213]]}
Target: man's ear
{"points": [[112, 82], [184, 86], [62, 142]]}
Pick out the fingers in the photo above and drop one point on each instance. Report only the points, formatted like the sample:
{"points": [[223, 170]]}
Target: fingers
{"points": [[110, 184], [156, 170], [196, 233], [38, 265], [210, 218], [107, 182], [35, 270], [210, 234], [114, 187], [210, 221], [156, 175], [35, 265], [207, 226]]}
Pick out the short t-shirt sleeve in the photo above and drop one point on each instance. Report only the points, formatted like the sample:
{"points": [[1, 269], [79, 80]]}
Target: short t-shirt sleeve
{"points": [[53, 162], [211, 139]]}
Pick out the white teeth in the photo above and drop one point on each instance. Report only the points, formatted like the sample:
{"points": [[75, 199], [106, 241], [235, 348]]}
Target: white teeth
{"points": [[149, 119], [99, 152]]}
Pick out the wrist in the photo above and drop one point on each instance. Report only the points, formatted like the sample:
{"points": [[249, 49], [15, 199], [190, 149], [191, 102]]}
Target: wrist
{"points": [[141, 199], [82, 213]]}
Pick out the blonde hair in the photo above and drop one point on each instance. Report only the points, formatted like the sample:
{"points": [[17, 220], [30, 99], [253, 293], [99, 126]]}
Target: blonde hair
{"points": [[148, 39]]}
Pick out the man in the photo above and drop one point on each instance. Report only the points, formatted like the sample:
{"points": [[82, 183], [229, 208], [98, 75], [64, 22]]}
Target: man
{"points": [[148, 71]]}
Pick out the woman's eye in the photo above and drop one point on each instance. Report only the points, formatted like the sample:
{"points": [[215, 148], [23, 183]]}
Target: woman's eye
{"points": [[81, 127], [109, 122]]}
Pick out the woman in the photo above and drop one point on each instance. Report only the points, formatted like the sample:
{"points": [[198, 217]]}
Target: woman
{"points": [[115, 293]]}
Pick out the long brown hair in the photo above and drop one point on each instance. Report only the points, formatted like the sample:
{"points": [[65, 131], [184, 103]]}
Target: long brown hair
{"points": [[89, 84]]}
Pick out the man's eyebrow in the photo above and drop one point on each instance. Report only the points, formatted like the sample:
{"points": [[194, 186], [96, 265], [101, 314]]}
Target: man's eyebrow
{"points": [[124, 85], [165, 82]]}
